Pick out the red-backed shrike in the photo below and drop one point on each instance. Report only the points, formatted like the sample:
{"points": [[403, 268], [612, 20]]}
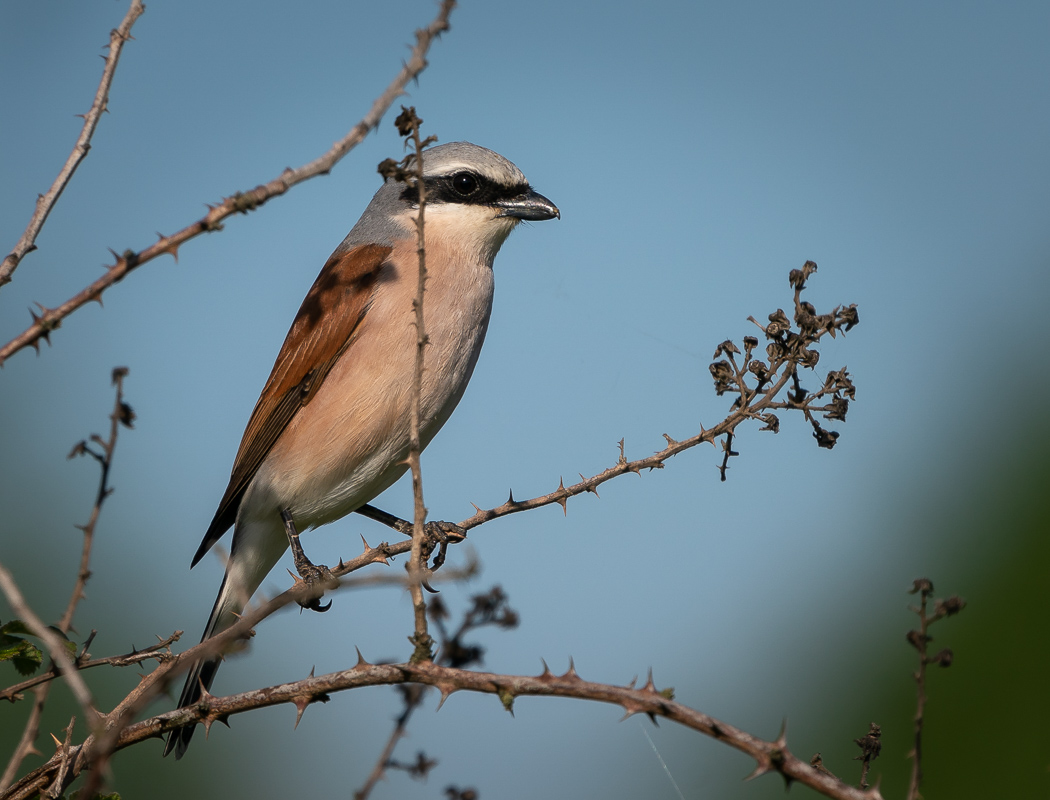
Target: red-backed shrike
{"points": [[331, 428]]}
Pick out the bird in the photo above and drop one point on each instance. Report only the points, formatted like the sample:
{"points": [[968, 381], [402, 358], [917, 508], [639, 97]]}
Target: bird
{"points": [[330, 430]]}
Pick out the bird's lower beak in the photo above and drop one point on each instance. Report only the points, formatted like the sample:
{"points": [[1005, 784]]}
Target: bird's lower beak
{"points": [[531, 206]]}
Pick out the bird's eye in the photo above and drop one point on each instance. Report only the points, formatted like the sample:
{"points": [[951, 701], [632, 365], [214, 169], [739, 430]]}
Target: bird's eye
{"points": [[464, 183]]}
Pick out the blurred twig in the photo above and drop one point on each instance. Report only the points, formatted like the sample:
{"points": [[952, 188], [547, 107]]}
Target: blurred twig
{"points": [[161, 651], [870, 748], [490, 608], [919, 639], [121, 415], [56, 644]]}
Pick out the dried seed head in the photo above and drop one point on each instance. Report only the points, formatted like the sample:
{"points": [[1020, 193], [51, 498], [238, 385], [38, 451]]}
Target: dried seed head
{"points": [[924, 585]]}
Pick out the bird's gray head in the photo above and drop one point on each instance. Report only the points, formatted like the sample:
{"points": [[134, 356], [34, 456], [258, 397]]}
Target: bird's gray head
{"points": [[473, 195]]}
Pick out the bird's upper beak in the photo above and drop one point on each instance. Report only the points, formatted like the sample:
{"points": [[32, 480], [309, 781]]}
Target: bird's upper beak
{"points": [[530, 205]]}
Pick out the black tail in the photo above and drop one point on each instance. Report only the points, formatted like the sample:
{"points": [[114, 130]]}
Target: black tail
{"points": [[202, 674]]}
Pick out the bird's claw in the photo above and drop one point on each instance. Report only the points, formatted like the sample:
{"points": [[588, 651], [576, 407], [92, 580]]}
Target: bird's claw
{"points": [[318, 577], [314, 604], [445, 532]]}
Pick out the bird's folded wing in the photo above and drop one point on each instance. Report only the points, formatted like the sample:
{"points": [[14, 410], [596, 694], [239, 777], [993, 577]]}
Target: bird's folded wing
{"points": [[323, 329]]}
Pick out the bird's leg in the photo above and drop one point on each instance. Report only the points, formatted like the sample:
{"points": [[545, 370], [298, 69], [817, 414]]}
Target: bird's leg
{"points": [[444, 532], [316, 575], [436, 533]]}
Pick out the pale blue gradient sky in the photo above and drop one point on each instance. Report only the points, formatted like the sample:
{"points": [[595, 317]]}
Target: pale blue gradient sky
{"points": [[697, 152]]}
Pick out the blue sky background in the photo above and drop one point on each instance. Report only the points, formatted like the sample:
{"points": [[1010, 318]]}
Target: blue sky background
{"points": [[698, 152]]}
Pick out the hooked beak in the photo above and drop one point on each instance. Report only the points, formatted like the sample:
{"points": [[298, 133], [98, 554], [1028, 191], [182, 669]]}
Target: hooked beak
{"points": [[530, 206]]}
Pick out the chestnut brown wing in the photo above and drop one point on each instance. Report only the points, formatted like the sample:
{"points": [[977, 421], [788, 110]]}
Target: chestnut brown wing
{"points": [[323, 329]]}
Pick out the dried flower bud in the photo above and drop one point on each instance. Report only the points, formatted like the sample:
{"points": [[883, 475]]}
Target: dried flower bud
{"points": [[825, 439], [436, 608], [807, 322], [407, 120], [847, 317], [772, 422], [916, 639], [723, 376], [943, 658], [726, 347], [808, 358], [798, 277], [780, 319], [870, 744], [509, 619], [826, 322], [839, 381], [953, 605], [389, 168], [750, 342], [126, 416], [924, 585], [839, 407]]}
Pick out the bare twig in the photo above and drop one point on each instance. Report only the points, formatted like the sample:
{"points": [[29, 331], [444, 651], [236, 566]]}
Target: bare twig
{"points": [[45, 202], [242, 202], [413, 695], [121, 415], [27, 742]]}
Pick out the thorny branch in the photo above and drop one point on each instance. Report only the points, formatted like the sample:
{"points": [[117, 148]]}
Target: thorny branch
{"points": [[411, 171], [242, 202], [45, 202], [771, 756], [757, 382]]}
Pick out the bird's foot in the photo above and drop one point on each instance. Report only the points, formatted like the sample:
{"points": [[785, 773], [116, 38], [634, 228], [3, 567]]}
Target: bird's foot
{"points": [[436, 532], [316, 576], [439, 535], [444, 532]]}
